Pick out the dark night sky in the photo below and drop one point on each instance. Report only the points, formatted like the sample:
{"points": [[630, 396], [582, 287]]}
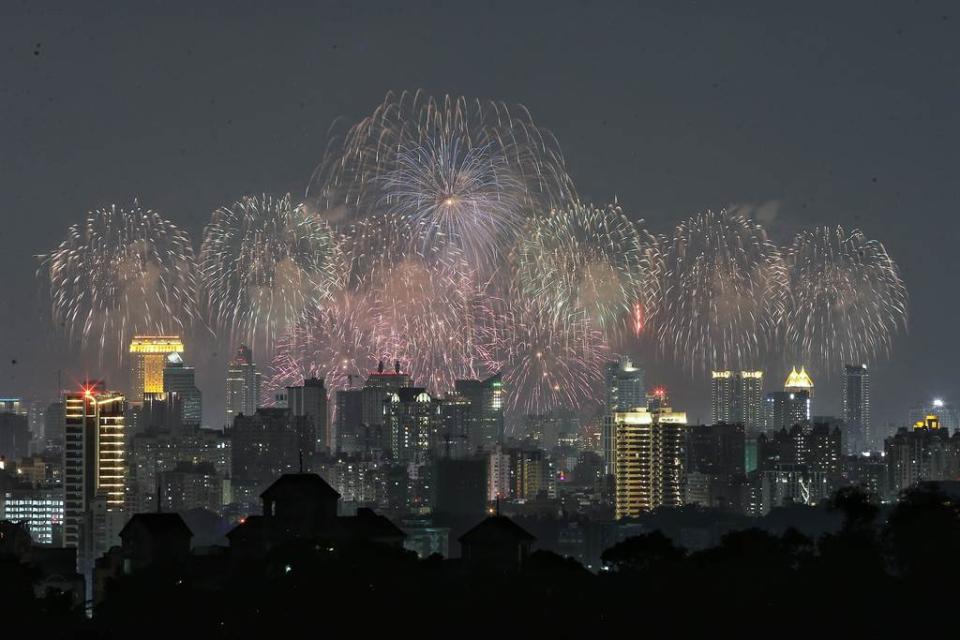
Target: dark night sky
{"points": [[822, 112]]}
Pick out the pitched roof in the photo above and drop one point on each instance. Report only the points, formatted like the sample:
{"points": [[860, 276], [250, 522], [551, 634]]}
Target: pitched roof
{"points": [[370, 525], [158, 524], [496, 530], [300, 482]]}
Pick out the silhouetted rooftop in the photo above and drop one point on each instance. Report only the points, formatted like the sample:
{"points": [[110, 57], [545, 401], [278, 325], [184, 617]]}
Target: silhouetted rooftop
{"points": [[299, 482], [496, 530], [158, 524]]}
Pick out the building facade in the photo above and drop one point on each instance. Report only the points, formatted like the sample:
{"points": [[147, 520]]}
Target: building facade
{"points": [[148, 358], [650, 458]]}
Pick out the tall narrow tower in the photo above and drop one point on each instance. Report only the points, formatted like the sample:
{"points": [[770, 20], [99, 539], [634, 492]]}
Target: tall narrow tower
{"points": [[856, 405]]}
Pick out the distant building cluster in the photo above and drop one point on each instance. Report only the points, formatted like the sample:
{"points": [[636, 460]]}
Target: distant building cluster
{"points": [[386, 457]]}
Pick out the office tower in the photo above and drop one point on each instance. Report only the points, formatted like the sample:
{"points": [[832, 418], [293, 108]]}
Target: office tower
{"points": [[310, 400], [41, 508], [148, 357], [374, 435], [453, 438], [412, 418], [799, 381], [192, 485], [784, 409], [181, 380], [349, 418], [486, 405], [856, 406], [649, 470], [155, 452], [625, 388], [53, 422], [14, 430], [243, 385], [36, 417], [736, 398], [657, 399], [714, 458], [268, 444], [94, 455]]}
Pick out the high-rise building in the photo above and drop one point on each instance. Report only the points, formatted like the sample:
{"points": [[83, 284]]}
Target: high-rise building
{"points": [[14, 430], [650, 452], [41, 508], [181, 380], [412, 418], [453, 438], [268, 444], [349, 421], [625, 388], [310, 400], [486, 407], [856, 406], [374, 436], [243, 385], [736, 398], [94, 455], [784, 409], [148, 358]]}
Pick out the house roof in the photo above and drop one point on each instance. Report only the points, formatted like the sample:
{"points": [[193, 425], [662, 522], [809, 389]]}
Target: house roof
{"points": [[158, 524], [300, 482], [370, 525], [496, 530]]}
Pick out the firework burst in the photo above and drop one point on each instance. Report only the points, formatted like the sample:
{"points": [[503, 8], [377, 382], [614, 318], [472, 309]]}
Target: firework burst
{"points": [[461, 172], [120, 273], [593, 263], [264, 262], [724, 293], [847, 299], [547, 366]]}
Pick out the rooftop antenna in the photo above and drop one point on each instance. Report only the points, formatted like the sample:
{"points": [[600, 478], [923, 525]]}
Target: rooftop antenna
{"points": [[159, 498], [498, 505], [301, 460], [396, 366]]}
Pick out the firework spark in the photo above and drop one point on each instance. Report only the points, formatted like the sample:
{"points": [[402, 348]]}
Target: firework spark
{"points": [[847, 299], [724, 293], [120, 273], [264, 262]]}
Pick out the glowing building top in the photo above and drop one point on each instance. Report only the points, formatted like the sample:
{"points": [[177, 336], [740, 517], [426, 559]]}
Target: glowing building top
{"points": [[799, 381], [149, 355]]}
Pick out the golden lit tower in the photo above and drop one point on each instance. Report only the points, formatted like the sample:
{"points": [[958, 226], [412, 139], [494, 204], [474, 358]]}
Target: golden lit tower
{"points": [[148, 358], [799, 381], [649, 465]]}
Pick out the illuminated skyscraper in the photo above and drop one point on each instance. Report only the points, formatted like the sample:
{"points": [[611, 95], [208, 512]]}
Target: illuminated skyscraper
{"points": [[94, 455], [650, 458], [180, 379], [243, 385], [148, 357], [856, 406], [737, 398]]}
